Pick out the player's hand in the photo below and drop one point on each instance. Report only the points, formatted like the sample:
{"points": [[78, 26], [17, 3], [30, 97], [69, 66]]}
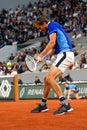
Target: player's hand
{"points": [[38, 59]]}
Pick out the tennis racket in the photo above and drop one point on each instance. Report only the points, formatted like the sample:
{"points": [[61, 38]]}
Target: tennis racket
{"points": [[31, 63]]}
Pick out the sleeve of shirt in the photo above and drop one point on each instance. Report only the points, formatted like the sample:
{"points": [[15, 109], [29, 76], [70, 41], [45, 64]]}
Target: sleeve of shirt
{"points": [[52, 27]]}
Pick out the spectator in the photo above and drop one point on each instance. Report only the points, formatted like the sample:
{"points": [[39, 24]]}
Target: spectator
{"points": [[11, 57], [1, 71], [20, 81], [44, 67], [37, 80], [14, 71], [16, 25], [8, 71], [68, 78], [85, 30], [82, 61], [20, 68], [73, 45], [61, 79], [75, 52]]}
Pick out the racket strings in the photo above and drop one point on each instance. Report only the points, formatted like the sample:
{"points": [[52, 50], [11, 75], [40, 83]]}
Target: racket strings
{"points": [[31, 63]]}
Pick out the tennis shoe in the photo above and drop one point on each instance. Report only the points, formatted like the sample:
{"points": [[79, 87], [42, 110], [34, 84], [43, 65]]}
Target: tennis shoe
{"points": [[64, 108], [40, 108]]}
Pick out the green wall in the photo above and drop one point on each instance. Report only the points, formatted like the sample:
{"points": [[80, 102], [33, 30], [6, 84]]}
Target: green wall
{"points": [[33, 91]]}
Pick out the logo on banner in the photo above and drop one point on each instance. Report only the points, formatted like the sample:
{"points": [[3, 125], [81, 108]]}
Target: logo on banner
{"points": [[5, 88], [22, 92]]}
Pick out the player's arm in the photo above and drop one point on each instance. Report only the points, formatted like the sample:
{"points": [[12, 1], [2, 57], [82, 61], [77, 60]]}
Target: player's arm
{"points": [[49, 53], [50, 45]]}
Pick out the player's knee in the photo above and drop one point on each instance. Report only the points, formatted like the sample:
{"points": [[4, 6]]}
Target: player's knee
{"points": [[47, 79]]}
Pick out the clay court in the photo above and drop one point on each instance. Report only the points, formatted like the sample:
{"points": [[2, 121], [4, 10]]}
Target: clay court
{"points": [[17, 116]]}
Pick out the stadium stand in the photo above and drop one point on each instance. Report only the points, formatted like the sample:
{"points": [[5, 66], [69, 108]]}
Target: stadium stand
{"points": [[17, 29]]}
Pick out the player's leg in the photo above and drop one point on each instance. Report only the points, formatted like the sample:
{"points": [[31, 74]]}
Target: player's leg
{"points": [[52, 75], [62, 63], [50, 81], [42, 107]]}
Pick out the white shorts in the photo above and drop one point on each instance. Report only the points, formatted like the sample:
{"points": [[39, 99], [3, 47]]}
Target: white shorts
{"points": [[64, 60]]}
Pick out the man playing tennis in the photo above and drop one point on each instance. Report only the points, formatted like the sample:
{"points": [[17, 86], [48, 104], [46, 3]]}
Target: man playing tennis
{"points": [[58, 40]]}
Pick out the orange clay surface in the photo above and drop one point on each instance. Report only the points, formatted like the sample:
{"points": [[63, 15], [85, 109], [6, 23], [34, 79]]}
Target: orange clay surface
{"points": [[17, 116]]}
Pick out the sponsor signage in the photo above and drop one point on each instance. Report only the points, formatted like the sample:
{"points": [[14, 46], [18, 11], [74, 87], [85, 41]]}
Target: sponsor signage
{"points": [[6, 89], [36, 91], [32, 91]]}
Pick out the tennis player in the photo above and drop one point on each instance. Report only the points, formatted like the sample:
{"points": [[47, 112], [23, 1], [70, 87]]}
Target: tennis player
{"points": [[58, 40]]}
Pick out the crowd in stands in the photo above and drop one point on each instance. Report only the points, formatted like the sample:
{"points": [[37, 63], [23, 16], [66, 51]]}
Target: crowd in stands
{"points": [[17, 26]]}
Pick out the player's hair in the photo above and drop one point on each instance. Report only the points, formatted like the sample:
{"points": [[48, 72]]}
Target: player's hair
{"points": [[40, 20]]}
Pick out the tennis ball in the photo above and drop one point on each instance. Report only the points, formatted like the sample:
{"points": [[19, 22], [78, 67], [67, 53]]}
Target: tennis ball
{"points": [[9, 64]]}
